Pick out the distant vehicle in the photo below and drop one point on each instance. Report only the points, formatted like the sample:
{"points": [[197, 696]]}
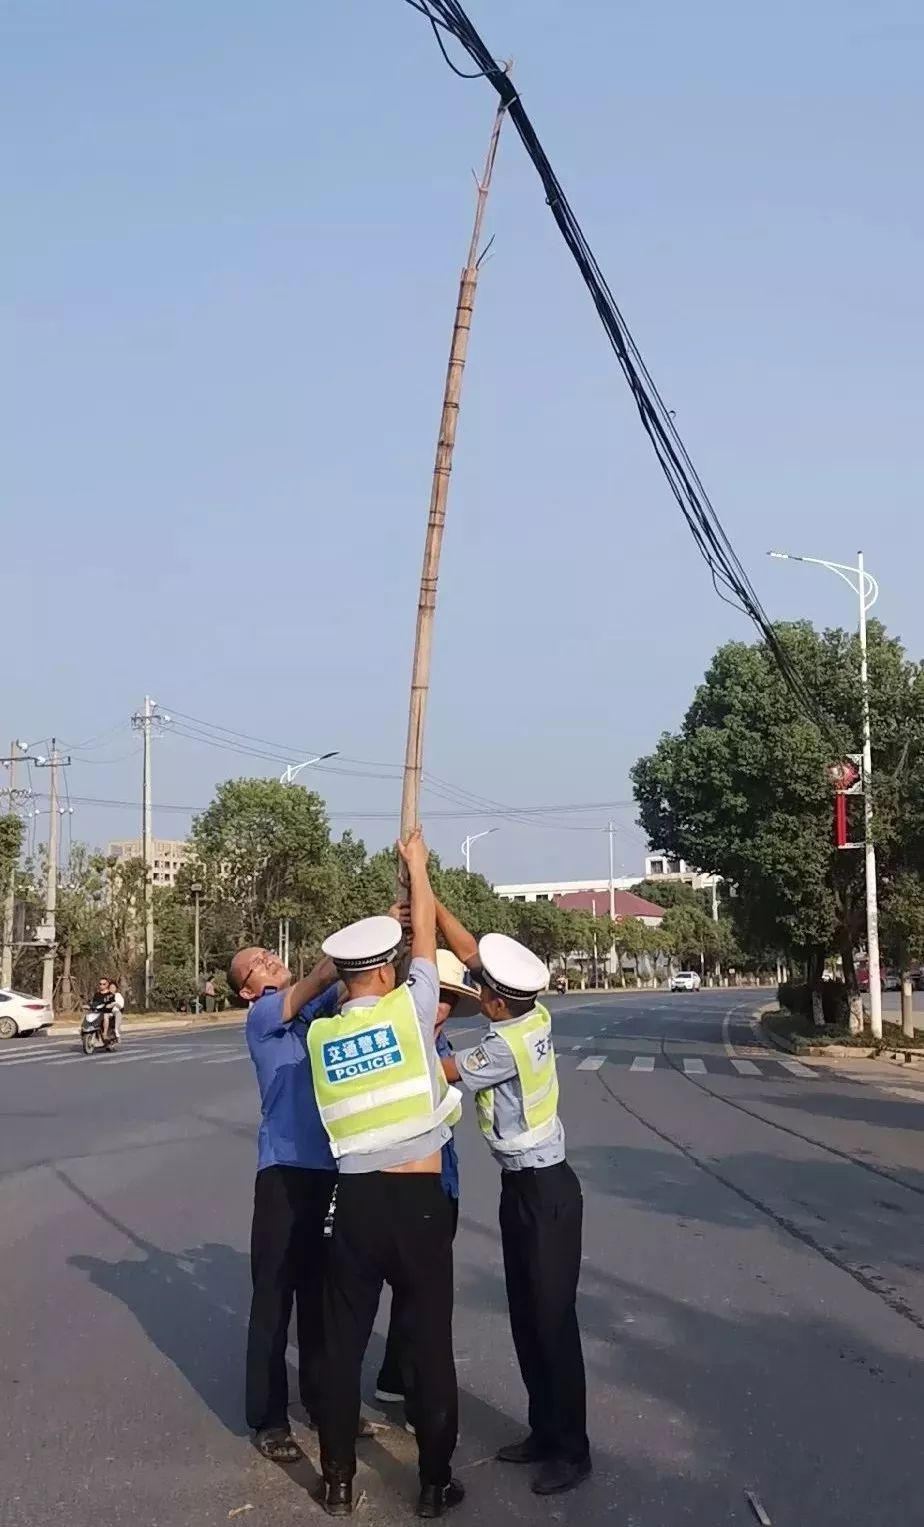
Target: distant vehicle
{"points": [[20, 1014], [686, 980], [891, 980]]}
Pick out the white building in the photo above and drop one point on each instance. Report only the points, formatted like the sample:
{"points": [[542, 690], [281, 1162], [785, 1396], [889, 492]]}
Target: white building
{"points": [[657, 867], [168, 854]]}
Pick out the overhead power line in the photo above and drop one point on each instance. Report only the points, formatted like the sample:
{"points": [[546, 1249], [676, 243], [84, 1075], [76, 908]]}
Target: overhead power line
{"points": [[729, 578]]}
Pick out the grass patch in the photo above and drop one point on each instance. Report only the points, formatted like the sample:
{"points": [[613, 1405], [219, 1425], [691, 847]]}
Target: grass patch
{"points": [[801, 1031]]}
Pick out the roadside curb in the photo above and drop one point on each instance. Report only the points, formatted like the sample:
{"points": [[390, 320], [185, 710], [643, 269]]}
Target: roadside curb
{"points": [[802, 1047], [159, 1025]]}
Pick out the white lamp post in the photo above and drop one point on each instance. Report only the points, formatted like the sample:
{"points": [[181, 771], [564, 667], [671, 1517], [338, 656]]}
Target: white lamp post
{"points": [[467, 846]]}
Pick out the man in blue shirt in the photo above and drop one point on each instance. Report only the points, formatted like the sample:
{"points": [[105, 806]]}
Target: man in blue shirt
{"points": [[295, 1183]]}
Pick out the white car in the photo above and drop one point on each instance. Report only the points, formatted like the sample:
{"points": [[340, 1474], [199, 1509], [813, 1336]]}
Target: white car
{"points": [[686, 980], [20, 1014]]}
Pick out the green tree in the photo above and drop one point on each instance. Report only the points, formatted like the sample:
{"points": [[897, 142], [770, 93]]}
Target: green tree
{"points": [[264, 850], [10, 845], [744, 786], [903, 933]]}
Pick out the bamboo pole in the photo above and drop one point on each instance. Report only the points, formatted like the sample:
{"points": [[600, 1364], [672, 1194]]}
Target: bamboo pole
{"points": [[439, 494]]}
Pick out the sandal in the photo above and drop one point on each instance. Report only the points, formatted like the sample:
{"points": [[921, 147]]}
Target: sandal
{"points": [[279, 1446]]}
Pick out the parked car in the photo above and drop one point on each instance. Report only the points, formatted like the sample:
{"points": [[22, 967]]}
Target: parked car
{"points": [[686, 980], [891, 980], [20, 1014]]}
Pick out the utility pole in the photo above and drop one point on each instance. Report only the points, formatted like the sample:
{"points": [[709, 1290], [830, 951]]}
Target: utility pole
{"points": [[439, 493], [147, 854], [9, 892], [54, 763], [144, 721]]}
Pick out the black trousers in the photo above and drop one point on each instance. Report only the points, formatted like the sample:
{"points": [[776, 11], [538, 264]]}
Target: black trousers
{"points": [[396, 1228], [541, 1213], [287, 1255], [396, 1374]]}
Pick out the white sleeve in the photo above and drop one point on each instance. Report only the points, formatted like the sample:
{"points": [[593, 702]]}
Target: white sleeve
{"points": [[119, 1001]]}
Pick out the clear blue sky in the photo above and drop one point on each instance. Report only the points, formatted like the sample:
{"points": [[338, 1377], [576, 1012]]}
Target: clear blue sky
{"points": [[232, 243]]}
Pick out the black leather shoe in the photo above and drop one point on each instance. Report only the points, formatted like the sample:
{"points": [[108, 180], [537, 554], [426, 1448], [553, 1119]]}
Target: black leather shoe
{"points": [[435, 1500], [560, 1474], [530, 1450], [336, 1496]]}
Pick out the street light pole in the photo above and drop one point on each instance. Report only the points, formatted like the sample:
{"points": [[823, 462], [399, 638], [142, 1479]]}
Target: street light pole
{"points": [[288, 777], [289, 773], [197, 892], [467, 846], [866, 588]]}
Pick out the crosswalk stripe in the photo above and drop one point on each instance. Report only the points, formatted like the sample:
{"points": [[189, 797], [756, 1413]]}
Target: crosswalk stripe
{"points": [[26, 1060], [745, 1067], [796, 1068], [224, 1060], [693, 1066], [592, 1063], [643, 1063], [67, 1060]]}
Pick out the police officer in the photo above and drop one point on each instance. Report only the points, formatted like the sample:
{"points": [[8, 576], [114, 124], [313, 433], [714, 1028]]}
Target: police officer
{"points": [[513, 1076], [459, 998], [387, 1110]]}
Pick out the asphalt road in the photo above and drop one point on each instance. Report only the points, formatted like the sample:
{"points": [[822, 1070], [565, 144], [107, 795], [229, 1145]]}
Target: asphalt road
{"points": [[752, 1295]]}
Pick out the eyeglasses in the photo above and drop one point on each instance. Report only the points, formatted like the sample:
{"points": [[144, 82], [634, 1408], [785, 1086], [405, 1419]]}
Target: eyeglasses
{"points": [[262, 957]]}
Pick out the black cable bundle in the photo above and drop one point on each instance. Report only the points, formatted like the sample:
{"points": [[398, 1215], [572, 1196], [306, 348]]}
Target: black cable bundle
{"points": [[725, 568]]}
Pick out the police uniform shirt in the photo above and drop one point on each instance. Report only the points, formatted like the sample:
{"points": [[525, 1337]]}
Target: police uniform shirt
{"points": [[424, 984], [490, 1063]]}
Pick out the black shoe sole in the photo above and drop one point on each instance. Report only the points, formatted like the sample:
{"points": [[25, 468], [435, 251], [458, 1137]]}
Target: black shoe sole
{"points": [[571, 1484]]}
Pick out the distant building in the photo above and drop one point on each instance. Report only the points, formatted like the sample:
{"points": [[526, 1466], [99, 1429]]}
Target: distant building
{"points": [[657, 867], [626, 904], [168, 853]]}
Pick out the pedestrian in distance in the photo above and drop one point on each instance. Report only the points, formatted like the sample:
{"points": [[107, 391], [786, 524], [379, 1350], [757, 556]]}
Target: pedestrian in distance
{"points": [[459, 998], [388, 1111], [295, 1181], [513, 1075]]}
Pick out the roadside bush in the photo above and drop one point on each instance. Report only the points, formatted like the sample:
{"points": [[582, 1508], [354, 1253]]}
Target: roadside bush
{"points": [[796, 997]]}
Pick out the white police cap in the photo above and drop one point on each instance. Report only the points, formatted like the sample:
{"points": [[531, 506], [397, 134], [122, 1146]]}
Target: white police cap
{"points": [[366, 945], [510, 968]]}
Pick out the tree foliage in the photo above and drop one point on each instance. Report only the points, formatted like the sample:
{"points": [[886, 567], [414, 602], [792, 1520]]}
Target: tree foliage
{"points": [[743, 788]]}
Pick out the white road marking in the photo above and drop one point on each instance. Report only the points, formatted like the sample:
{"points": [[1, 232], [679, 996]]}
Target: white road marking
{"points": [[592, 1063], [225, 1060], [796, 1068], [67, 1060], [574, 1048], [643, 1063], [128, 1060], [745, 1067], [693, 1067]]}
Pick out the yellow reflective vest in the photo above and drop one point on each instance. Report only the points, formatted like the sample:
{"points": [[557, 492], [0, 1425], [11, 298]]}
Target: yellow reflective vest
{"points": [[373, 1080], [530, 1042]]}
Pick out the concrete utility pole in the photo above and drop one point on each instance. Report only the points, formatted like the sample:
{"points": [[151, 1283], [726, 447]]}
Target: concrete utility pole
{"points": [[866, 589], [144, 721], [9, 890], [54, 763], [439, 493], [147, 853], [196, 890]]}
